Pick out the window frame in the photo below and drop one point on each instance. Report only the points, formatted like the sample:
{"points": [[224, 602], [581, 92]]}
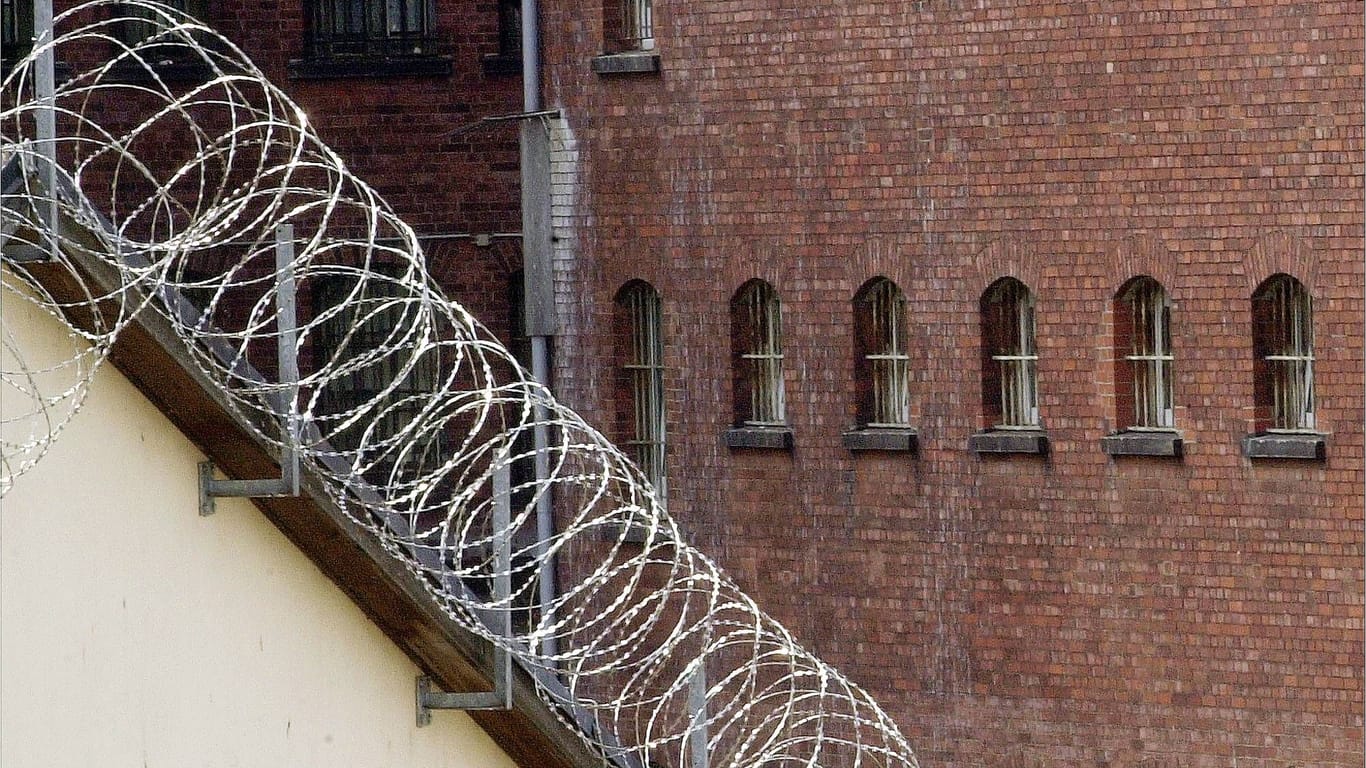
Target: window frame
{"points": [[17, 29], [637, 25], [140, 19], [1144, 358], [1283, 343], [640, 337], [757, 356], [882, 362], [1010, 381], [336, 31]]}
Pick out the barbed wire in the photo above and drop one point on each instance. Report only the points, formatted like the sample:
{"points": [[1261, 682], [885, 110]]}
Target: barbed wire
{"points": [[405, 405]]}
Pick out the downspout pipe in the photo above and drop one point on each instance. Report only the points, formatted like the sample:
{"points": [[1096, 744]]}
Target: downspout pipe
{"points": [[536, 321]]}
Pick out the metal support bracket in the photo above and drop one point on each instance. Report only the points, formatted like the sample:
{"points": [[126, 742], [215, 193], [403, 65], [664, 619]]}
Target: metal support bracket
{"points": [[498, 698], [287, 484], [501, 695]]}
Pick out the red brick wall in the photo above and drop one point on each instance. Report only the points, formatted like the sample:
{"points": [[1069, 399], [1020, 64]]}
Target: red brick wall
{"points": [[1073, 609]]}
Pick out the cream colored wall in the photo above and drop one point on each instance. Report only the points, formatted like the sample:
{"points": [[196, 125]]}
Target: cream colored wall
{"points": [[135, 633]]}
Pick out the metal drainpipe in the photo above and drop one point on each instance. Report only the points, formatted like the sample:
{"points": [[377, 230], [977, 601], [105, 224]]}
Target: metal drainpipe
{"points": [[540, 343]]}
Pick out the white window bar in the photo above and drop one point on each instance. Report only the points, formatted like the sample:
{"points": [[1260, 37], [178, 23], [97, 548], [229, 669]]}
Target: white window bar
{"points": [[1017, 356], [1151, 356], [647, 385], [888, 363], [765, 357], [638, 24], [1291, 358]]}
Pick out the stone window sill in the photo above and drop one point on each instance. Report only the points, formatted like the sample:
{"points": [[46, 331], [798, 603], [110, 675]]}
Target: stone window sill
{"points": [[627, 63], [169, 70], [891, 439], [502, 64], [340, 67], [1009, 441], [1310, 446], [1157, 443], [760, 438]]}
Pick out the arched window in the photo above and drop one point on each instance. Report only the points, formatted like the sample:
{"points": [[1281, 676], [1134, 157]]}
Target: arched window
{"points": [[757, 355], [1010, 359], [881, 364], [640, 350], [1143, 356], [1283, 342]]}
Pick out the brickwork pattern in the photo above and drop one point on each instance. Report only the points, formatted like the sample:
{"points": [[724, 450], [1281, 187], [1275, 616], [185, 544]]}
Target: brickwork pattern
{"points": [[1069, 609]]}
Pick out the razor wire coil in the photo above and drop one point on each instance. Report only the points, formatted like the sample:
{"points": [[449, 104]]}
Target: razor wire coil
{"points": [[404, 405]]}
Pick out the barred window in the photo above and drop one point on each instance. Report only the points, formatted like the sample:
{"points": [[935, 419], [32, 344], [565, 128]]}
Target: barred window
{"points": [[370, 28], [16, 30], [1144, 357], [509, 28], [628, 25], [356, 334], [1010, 365], [135, 31], [757, 355], [641, 350], [881, 362], [1283, 341], [638, 25]]}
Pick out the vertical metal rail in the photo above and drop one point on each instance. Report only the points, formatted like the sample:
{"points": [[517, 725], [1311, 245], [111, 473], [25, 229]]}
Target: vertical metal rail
{"points": [[45, 87], [697, 711]]}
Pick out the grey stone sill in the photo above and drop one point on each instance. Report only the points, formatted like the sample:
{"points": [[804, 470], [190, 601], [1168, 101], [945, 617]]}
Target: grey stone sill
{"points": [[1312, 446], [629, 533], [170, 70], [1144, 443], [898, 439], [1009, 441], [340, 67], [760, 438], [628, 63], [501, 64]]}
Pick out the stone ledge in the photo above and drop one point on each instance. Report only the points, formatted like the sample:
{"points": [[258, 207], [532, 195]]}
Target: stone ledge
{"points": [[1311, 446], [501, 64], [1160, 443], [628, 63], [340, 67], [898, 439], [169, 70], [1009, 441], [760, 438]]}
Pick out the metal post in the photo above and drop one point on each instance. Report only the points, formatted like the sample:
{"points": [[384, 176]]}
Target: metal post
{"points": [[287, 352], [697, 711], [45, 86]]}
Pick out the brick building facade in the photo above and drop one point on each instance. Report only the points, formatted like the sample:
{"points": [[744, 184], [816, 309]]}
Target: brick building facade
{"points": [[1132, 537], [1093, 566]]}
